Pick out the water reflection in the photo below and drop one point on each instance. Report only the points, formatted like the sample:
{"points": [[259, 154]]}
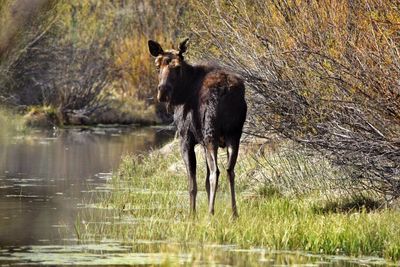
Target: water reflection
{"points": [[44, 176], [112, 253]]}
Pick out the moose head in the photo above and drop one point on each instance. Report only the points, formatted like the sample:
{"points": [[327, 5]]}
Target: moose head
{"points": [[169, 65]]}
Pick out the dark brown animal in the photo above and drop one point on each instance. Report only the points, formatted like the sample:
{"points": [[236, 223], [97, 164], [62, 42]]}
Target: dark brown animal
{"points": [[209, 109]]}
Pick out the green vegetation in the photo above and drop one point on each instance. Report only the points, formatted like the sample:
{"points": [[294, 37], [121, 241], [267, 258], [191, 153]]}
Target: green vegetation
{"points": [[11, 124], [323, 74], [148, 201], [88, 60]]}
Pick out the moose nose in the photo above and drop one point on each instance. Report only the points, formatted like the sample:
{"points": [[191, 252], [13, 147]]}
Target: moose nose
{"points": [[162, 93], [161, 88]]}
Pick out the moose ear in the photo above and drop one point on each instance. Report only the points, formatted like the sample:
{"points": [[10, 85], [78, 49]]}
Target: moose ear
{"points": [[155, 48], [183, 47]]}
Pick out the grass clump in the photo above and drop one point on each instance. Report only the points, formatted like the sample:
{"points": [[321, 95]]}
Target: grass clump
{"points": [[149, 201], [11, 124]]}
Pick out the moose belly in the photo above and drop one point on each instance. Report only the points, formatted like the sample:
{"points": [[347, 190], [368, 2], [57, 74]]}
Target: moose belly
{"points": [[221, 142]]}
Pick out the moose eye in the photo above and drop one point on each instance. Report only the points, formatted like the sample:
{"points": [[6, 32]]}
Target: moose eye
{"points": [[166, 61]]}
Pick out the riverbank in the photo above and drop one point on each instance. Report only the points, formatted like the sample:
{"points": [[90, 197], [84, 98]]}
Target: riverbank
{"points": [[287, 201], [123, 113]]}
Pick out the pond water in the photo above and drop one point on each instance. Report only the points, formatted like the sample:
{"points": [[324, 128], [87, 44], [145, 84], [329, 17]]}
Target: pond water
{"points": [[47, 177]]}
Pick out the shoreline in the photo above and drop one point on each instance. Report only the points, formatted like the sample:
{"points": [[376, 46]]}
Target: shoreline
{"points": [[151, 191]]}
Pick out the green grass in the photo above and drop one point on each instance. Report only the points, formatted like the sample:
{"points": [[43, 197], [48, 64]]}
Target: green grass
{"points": [[11, 124], [149, 201]]}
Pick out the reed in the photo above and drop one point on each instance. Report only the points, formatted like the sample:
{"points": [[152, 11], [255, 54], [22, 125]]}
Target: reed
{"points": [[149, 201]]}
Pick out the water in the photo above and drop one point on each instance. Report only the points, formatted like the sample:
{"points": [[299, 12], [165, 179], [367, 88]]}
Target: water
{"points": [[45, 176]]}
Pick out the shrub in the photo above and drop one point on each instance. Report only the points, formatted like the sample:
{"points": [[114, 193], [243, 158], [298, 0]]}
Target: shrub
{"points": [[77, 55], [324, 74]]}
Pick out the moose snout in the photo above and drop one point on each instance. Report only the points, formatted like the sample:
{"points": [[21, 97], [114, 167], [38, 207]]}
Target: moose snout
{"points": [[163, 93]]}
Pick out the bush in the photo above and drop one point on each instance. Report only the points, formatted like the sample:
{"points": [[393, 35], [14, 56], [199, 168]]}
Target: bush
{"points": [[324, 74], [86, 54]]}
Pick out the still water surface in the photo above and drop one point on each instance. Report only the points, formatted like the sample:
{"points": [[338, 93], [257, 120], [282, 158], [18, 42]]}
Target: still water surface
{"points": [[46, 177]]}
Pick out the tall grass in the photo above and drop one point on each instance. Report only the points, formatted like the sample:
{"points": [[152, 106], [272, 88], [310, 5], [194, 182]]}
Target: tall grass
{"points": [[149, 201]]}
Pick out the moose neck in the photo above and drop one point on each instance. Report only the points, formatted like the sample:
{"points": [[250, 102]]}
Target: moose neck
{"points": [[186, 89]]}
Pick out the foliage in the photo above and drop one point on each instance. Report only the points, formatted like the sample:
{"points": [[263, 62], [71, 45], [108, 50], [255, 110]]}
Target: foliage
{"points": [[23, 24], [324, 74], [158, 20], [84, 54], [148, 200]]}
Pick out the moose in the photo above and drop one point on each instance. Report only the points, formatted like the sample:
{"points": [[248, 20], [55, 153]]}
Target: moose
{"points": [[209, 109]]}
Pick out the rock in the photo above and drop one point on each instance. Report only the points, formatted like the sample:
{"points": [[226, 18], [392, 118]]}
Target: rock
{"points": [[169, 148], [177, 167]]}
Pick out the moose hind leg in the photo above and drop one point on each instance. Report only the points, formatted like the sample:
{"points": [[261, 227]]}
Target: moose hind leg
{"points": [[189, 157], [207, 177], [211, 157], [233, 149]]}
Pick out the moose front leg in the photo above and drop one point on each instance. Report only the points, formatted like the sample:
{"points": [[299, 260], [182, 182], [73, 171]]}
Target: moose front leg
{"points": [[189, 157]]}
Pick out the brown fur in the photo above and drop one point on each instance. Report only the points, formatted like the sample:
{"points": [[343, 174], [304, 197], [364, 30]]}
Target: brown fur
{"points": [[209, 109]]}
